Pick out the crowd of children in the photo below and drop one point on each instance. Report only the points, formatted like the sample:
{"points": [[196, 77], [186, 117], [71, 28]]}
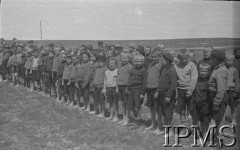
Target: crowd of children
{"points": [[171, 81]]}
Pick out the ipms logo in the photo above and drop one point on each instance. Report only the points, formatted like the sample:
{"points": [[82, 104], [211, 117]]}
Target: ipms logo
{"points": [[225, 137]]}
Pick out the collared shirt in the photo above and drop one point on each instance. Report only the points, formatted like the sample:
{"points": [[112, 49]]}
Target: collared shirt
{"points": [[123, 74], [19, 58], [218, 82]]}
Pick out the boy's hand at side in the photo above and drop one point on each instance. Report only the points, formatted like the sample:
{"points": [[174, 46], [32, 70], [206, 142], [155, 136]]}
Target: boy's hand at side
{"points": [[76, 85], [156, 95], [68, 83], [141, 96], [235, 95], [167, 100]]}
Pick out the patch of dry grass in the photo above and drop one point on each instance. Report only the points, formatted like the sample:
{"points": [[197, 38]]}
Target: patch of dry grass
{"points": [[30, 122]]}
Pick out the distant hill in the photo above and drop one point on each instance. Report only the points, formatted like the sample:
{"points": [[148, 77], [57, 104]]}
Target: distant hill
{"points": [[168, 43]]}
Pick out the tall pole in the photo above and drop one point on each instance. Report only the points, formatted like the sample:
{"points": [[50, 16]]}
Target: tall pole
{"points": [[41, 29]]}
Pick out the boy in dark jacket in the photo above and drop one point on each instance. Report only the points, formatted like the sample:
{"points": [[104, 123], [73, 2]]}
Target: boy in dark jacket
{"points": [[166, 91], [48, 73], [201, 98], [60, 75], [137, 86]]}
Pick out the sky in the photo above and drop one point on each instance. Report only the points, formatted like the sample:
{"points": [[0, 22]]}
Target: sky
{"points": [[118, 19]]}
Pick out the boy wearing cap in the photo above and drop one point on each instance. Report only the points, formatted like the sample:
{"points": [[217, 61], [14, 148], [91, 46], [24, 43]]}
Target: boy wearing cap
{"points": [[48, 73], [12, 65], [122, 83], [73, 80], [60, 75], [28, 72], [82, 79], [137, 87], [66, 79], [187, 79], [19, 64], [166, 92], [56, 61], [97, 86], [152, 86], [232, 86], [218, 87], [35, 73]]}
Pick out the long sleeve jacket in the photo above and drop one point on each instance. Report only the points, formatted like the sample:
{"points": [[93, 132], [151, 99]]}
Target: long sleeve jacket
{"points": [[218, 82], [187, 77], [168, 81]]}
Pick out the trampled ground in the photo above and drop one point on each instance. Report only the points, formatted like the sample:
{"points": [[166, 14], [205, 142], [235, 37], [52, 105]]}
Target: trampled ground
{"points": [[29, 121]]}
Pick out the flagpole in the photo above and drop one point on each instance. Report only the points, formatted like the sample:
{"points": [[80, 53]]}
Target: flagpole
{"points": [[41, 32]]}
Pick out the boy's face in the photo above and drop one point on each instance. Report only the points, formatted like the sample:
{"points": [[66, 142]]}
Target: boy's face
{"points": [[109, 53], [51, 54], [184, 59], [155, 58], [75, 60], [101, 64], [85, 58], [191, 56], [57, 51], [35, 55], [138, 62], [229, 62], [63, 57], [112, 65], [164, 61], [93, 58], [203, 72], [147, 50], [237, 54], [207, 53], [69, 60], [124, 59]]}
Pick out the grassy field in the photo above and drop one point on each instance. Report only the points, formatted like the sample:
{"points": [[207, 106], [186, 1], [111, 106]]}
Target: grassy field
{"points": [[29, 121]]}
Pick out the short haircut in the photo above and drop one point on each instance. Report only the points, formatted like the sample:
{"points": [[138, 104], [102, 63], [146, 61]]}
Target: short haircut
{"points": [[230, 56], [183, 52], [112, 59], [87, 53], [138, 57], [125, 53], [192, 52], [148, 46], [157, 52], [236, 49], [204, 65]]}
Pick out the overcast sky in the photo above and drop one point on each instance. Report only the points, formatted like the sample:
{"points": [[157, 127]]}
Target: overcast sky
{"points": [[117, 20]]}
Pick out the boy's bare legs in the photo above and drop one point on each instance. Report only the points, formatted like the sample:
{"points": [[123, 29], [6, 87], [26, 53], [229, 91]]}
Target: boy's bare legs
{"points": [[111, 111], [153, 117], [233, 115], [116, 108]]}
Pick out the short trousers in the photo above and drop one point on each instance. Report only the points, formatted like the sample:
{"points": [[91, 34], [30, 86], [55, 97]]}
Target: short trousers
{"points": [[122, 94], [134, 100], [54, 77], [202, 112], [111, 94], [183, 101], [151, 101], [231, 101], [35, 76]]}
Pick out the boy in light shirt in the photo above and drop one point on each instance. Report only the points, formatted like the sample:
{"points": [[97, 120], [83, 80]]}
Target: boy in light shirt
{"points": [[109, 89]]}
